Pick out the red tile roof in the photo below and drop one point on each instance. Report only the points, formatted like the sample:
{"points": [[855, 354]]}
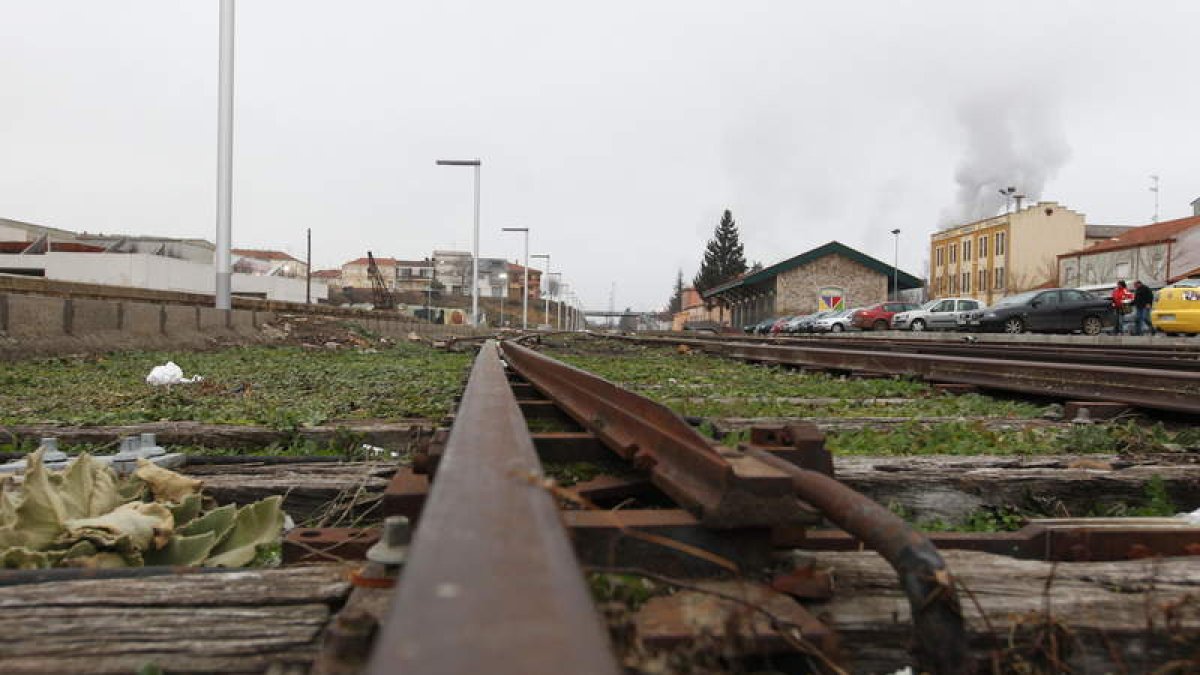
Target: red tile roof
{"points": [[1141, 236], [72, 247], [13, 246], [327, 274], [261, 254], [514, 267]]}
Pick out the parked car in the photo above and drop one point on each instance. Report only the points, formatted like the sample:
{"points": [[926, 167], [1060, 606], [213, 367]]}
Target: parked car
{"points": [[792, 326], [1050, 310], [940, 314], [879, 316], [762, 327], [837, 322], [803, 324], [1177, 308], [777, 327]]}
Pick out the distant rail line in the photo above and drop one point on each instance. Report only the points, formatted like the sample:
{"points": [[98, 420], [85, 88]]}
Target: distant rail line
{"points": [[1146, 376]]}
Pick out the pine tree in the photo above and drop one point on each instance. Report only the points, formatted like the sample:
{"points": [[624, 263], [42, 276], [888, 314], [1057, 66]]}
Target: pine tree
{"points": [[724, 256], [676, 303]]}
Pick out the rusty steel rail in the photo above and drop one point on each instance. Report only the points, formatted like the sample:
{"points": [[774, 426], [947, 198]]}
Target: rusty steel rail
{"points": [[722, 489], [1175, 357], [1143, 387], [492, 584], [722, 483]]}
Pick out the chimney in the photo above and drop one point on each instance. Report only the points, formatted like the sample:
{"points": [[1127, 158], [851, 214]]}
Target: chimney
{"points": [[1018, 199], [1196, 207]]}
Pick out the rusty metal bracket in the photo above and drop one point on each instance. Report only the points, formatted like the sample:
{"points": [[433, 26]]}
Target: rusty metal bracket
{"points": [[722, 487]]}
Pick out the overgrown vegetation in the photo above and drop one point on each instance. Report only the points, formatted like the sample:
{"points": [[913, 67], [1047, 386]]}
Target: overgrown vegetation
{"points": [[710, 386], [975, 438], [280, 387], [1155, 502]]}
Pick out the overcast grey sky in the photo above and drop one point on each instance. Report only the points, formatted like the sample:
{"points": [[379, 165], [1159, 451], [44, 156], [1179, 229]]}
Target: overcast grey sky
{"points": [[616, 131]]}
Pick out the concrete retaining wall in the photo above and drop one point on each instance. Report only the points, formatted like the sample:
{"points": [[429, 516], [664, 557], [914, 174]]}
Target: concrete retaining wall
{"points": [[36, 325]]}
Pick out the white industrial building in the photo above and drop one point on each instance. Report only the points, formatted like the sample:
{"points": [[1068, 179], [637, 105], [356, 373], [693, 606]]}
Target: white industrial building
{"points": [[155, 263]]}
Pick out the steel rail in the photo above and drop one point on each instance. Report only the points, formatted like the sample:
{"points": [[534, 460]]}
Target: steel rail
{"points": [[1180, 346], [678, 456], [1143, 357], [722, 488], [1142, 387], [492, 583]]}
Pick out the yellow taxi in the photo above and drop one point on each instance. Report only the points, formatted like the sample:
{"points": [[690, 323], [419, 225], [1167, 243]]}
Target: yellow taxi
{"points": [[1177, 308]]}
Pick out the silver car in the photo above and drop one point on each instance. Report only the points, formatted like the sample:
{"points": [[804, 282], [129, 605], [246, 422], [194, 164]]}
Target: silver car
{"points": [[940, 314], [834, 323]]}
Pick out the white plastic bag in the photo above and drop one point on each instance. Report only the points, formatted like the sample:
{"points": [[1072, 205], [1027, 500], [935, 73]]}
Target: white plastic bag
{"points": [[169, 373]]}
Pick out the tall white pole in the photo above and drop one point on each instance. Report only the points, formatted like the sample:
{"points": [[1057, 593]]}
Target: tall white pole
{"points": [[525, 290], [475, 258], [546, 312], [560, 303], [224, 156]]}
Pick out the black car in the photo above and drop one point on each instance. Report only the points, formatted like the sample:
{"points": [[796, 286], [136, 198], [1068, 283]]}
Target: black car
{"points": [[1050, 310]]}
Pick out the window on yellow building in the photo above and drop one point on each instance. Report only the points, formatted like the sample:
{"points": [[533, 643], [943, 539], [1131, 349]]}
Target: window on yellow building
{"points": [[953, 283], [966, 249], [938, 257], [966, 282], [1000, 243], [953, 253], [983, 247], [999, 278], [983, 280]]}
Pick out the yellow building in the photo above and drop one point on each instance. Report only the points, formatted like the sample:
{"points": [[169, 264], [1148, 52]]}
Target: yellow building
{"points": [[1013, 252]]}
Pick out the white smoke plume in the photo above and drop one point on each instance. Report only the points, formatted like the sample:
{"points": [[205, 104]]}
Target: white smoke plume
{"points": [[1013, 139]]}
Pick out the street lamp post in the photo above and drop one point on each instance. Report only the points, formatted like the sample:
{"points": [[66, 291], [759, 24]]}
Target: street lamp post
{"points": [[525, 287], [896, 267], [548, 287], [504, 280], [561, 292], [546, 276], [475, 239]]}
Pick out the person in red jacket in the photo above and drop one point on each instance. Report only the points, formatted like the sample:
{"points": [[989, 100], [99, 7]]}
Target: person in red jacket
{"points": [[1121, 299]]}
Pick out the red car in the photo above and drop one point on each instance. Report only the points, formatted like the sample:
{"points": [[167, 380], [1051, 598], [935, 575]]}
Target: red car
{"points": [[879, 316]]}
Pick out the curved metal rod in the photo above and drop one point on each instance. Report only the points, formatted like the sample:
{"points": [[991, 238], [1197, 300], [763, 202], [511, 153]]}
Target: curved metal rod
{"points": [[937, 615]]}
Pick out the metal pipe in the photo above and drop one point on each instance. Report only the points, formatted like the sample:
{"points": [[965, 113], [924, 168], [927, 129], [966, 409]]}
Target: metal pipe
{"points": [[223, 295], [937, 616]]}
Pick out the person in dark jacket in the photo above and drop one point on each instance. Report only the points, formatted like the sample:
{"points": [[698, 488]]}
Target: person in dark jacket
{"points": [[1143, 298]]}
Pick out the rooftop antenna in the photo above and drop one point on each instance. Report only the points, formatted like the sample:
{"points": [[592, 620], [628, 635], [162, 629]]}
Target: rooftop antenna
{"points": [[1154, 189]]}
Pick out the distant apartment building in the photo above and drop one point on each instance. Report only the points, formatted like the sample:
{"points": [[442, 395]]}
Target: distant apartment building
{"points": [[516, 282], [454, 270], [356, 273], [998, 256], [331, 278], [414, 275]]}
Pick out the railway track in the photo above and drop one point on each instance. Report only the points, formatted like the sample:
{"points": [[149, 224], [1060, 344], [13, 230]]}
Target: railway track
{"points": [[726, 510], [1179, 354], [495, 578], [1167, 380]]}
